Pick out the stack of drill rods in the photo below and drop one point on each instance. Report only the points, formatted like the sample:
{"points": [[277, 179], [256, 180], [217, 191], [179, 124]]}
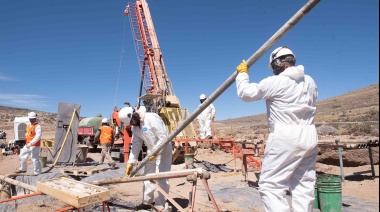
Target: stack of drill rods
{"points": [[361, 145], [152, 176], [251, 60]]}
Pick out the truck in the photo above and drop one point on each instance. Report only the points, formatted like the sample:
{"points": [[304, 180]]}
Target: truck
{"points": [[87, 128]]}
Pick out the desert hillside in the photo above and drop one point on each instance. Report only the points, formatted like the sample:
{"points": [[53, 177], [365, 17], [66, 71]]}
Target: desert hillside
{"points": [[355, 113]]}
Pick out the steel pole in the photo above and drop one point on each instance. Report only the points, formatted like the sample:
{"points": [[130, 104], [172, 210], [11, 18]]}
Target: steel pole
{"points": [[251, 60]]}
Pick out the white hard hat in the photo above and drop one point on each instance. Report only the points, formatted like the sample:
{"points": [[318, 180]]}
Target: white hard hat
{"points": [[279, 52], [125, 114], [32, 115], [104, 120], [202, 96]]}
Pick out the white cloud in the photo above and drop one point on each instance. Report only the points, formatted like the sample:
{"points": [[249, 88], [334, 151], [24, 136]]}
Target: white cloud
{"points": [[6, 78], [23, 100]]}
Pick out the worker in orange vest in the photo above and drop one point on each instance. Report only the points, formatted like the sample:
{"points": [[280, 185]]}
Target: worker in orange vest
{"points": [[105, 136], [32, 145]]}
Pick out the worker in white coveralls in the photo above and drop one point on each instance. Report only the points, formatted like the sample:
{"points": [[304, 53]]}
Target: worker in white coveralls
{"points": [[292, 146], [32, 145], [205, 119], [149, 128], [105, 135]]}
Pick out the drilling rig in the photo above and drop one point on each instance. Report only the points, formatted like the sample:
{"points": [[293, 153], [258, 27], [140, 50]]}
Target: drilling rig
{"points": [[156, 90]]}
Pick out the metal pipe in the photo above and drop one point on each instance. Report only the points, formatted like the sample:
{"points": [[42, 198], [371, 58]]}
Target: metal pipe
{"points": [[66, 209], [210, 196], [332, 145], [340, 149], [371, 161], [179, 208], [152, 176], [243, 142], [251, 60], [21, 197]]}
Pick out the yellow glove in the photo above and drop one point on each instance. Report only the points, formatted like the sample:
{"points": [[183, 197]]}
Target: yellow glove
{"points": [[128, 169], [153, 157], [213, 116], [242, 68]]}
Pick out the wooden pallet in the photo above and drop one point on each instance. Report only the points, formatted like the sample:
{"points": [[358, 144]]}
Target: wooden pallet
{"points": [[72, 192], [84, 171]]}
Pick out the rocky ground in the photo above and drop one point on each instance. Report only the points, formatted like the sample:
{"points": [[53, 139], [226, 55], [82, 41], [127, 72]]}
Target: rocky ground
{"points": [[360, 190]]}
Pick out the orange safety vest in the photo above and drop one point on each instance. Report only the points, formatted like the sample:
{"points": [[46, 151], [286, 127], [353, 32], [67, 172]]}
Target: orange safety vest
{"points": [[30, 133], [105, 134]]}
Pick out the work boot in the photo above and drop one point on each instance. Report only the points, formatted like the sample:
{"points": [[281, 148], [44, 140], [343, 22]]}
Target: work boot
{"points": [[112, 164], [165, 208], [143, 206]]}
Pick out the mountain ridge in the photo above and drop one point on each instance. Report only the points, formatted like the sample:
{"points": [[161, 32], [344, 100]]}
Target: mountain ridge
{"points": [[361, 105]]}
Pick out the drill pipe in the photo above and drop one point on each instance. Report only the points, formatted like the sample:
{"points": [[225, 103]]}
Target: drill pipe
{"points": [[153, 176], [18, 183]]}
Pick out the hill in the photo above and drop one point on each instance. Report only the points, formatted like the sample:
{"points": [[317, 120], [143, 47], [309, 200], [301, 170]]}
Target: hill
{"points": [[355, 112], [8, 114]]}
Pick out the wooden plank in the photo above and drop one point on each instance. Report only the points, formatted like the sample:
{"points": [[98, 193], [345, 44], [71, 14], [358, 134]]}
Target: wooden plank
{"points": [[72, 192]]}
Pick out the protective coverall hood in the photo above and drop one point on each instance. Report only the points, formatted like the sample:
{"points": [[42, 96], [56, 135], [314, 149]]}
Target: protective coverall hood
{"points": [[142, 112], [125, 115], [295, 72]]}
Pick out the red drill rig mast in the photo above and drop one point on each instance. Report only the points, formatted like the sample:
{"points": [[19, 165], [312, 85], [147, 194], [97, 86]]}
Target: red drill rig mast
{"points": [[159, 96], [154, 79]]}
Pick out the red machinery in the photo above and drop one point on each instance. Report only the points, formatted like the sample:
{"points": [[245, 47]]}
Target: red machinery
{"points": [[123, 138], [159, 95]]}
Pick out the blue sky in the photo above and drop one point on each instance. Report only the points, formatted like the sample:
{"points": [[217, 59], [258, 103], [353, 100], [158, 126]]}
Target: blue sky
{"points": [[70, 51]]}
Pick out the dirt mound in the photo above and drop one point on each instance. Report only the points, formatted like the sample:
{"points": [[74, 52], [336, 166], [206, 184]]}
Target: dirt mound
{"points": [[351, 157]]}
